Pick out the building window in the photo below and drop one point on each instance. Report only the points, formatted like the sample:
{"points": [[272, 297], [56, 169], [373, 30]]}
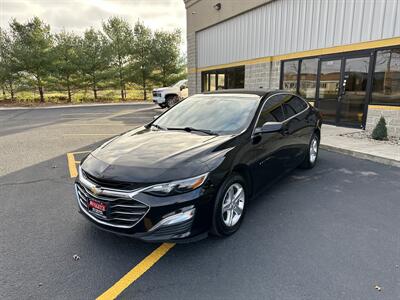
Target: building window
{"points": [[231, 78], [308, 78], [213, 82], [386, 79], [204, 81], [290, 71]]}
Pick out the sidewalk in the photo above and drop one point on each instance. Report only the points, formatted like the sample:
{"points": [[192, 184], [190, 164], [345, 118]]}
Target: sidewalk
{"points": [[362, 148]]}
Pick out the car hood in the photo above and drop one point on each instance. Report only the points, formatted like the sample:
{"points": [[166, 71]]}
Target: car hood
{"points": [[164, 89], [151, 156]]}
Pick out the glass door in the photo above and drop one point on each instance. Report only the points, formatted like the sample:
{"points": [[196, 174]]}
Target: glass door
{"points": [[354, 91], [342, 89], [328, 89]]}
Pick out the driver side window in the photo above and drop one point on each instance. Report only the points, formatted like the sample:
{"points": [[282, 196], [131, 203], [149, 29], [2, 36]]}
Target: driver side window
{"points": [[272, 111]]}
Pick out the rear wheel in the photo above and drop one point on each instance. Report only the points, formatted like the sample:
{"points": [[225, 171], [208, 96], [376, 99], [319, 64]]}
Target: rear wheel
{"points": [[172, 100], [312, 154], [230, 206]]}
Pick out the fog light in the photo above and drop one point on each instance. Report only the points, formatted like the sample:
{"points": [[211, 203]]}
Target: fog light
{"points": [[184, 215]]}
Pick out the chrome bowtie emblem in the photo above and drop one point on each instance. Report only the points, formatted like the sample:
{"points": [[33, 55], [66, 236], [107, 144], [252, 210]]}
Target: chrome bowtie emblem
{"points": [[95, 190]]}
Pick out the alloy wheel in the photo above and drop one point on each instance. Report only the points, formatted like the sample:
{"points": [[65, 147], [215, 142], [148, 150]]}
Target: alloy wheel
{"points": [[233, 204], [313, 150]]}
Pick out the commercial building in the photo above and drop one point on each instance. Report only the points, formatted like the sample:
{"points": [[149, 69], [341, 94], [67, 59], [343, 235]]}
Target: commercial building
{"points": [[341, 55]]}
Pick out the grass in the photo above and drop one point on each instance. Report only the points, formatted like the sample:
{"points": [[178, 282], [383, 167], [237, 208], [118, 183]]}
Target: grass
{"points": [[55, 97]]}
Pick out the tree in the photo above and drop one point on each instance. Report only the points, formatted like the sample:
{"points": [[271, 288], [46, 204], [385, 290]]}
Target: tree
{"points": [[66, 58], [167, 58], [94, 57], [142, 63], [8, 71], [120, 36], [32, 50]]}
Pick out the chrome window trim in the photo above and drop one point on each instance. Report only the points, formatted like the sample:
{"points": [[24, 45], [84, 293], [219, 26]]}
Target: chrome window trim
{"points": [[284, 121]]}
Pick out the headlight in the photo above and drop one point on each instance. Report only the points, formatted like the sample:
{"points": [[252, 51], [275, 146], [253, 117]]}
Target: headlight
{"points": [[177, 187]]}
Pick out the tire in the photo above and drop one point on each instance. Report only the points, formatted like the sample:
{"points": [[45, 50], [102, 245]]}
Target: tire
{"points": [[162, 105], [312, 153], [171, 100], [228, 222]]}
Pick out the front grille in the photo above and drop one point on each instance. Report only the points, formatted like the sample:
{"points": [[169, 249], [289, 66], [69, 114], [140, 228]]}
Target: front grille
{"points": [[122, 213], [155, 94], [116, 185]]}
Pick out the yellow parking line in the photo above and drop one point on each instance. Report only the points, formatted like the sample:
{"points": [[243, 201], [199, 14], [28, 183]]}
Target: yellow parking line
{"points": [[72, 165], [135, 273]]}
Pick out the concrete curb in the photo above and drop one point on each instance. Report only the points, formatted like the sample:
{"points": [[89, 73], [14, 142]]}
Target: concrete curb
{"points": [[361, 155], [77, 105]]}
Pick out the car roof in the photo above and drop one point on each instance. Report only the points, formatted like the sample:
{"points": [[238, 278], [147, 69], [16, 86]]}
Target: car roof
{"points": [[260, 92]]}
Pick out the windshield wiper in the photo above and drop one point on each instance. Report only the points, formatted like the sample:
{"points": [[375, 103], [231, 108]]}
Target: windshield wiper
{"points": [[158, 127], [190, 129]]}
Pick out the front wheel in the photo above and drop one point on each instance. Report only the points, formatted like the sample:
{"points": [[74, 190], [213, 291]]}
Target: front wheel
{"points": [[312, 153], [172, 100], [230, 206]]}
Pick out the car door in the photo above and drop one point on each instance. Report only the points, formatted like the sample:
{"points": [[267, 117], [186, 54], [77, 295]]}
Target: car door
{"points": [[266, 148], [296, 129]]}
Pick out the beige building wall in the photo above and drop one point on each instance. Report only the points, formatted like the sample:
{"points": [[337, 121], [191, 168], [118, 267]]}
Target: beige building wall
{"points": [[201, 14]]}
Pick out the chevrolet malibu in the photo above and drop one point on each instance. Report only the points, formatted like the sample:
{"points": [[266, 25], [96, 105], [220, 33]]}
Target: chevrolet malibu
{"points": [[194, 169]]}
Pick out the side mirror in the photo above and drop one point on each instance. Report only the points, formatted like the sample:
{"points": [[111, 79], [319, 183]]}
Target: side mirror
{"points": [[271, 127], [182, 87], [155, 117]]}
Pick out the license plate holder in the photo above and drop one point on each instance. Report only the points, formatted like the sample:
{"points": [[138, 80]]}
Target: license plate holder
{"points": [[97, 207]]}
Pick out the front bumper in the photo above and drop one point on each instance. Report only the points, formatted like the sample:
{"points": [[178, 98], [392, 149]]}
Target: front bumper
{"points": [[158, 100], [173, 218]]}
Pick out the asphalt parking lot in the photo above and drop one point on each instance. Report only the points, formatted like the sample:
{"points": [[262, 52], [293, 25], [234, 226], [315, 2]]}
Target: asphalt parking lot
{"points": [[328, 233]]}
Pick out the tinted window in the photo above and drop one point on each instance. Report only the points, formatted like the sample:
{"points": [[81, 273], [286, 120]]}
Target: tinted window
{"points": [[290, 70], [231, 78], [272, 111], [288, 111], [293, 105], [386, 80], [204, 84], [225, 114], [213, 82], [308, 78], [297, 104]]}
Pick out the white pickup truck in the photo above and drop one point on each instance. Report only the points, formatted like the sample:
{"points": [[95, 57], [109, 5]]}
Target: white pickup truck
{"points": [[169, 96]]}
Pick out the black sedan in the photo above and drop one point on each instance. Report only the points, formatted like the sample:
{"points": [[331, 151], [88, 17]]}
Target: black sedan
{"points": [[194, 169]]}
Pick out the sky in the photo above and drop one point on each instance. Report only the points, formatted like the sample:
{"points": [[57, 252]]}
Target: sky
{"points": [[77, 15]]}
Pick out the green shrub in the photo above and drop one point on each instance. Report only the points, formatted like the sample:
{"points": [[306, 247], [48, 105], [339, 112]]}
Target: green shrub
{"points": [[380, 130]]}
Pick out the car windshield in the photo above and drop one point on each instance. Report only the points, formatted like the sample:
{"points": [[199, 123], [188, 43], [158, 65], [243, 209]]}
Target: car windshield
{"points": [[221, 114]]}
